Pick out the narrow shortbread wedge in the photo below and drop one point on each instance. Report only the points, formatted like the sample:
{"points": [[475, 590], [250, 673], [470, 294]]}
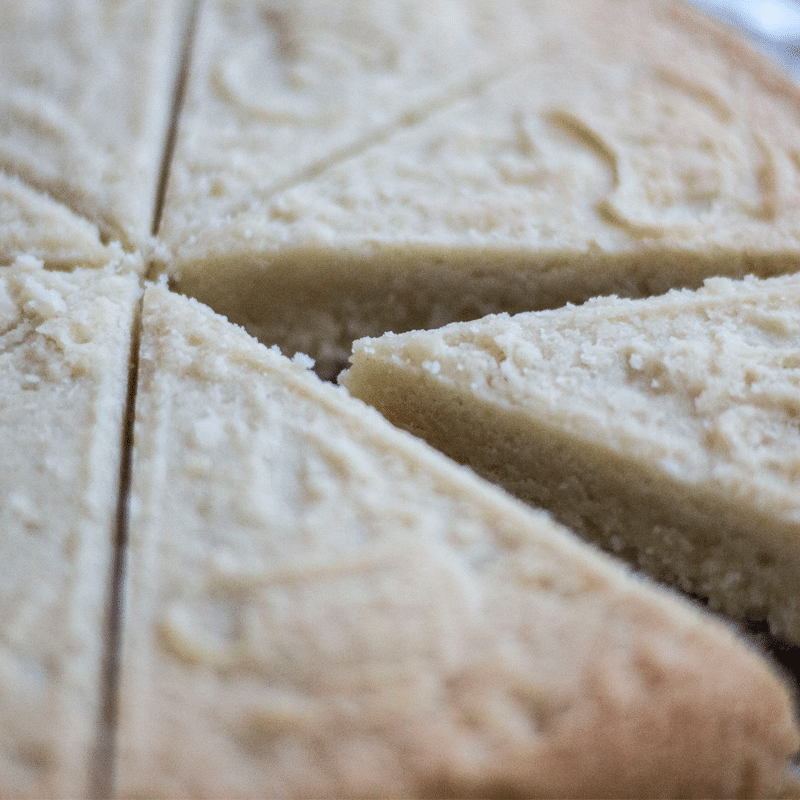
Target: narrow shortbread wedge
{"points": [[65, 343], [86, 92], [319, 605], [631, 147], [665, 429]]}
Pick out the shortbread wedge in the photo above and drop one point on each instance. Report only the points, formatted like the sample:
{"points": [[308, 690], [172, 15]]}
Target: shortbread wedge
{"points": [[86, 91], [632, 147], [665, 429], [65, 342], [318, 605]]}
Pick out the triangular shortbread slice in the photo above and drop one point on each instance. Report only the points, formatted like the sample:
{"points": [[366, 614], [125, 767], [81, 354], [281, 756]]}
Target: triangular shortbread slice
{"points": [[65, 342], [667, 429], [635, 147], [316, 604], [85, 101]]}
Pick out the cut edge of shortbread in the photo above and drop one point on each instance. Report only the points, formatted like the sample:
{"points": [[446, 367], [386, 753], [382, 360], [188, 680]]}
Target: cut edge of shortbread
{"points": [[589, 433], [510, 199], [318, 301]]}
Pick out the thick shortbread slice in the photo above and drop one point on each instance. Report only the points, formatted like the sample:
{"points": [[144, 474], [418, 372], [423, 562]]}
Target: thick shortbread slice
{"points": [[65, 342], [318, 605], [86, 90], [632, 147], [665, 429]]}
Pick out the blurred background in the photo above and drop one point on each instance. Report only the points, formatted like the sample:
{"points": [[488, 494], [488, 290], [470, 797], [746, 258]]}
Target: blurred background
{"points": [[774, 25]]}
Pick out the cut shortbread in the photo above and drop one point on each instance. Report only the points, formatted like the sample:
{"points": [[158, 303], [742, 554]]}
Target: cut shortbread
{"points": [[85, 102], [65, 345], [665, 429], [319, 605], [315, 603], [624, 147]]}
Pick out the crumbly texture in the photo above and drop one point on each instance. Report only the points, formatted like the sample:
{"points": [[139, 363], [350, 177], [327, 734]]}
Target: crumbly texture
{"points": [[64, 354], [665, 429], [85, 101], [32, 224], [608, 146], [318, 605]]}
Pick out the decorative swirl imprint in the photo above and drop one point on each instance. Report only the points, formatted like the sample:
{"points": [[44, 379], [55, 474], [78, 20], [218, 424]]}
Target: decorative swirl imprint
{"points": [[764, 168], [693, 89], [282, 77], [391, 603], [275, 101], [312, 71], [670, 169]]}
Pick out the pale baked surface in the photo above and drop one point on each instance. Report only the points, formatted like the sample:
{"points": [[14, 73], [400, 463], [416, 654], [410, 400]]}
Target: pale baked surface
{"points": [[281, 89], [666, 429], [318, 605], [414, 633], [32, 224], [85, 101], [64, 353], [629, 147]]}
